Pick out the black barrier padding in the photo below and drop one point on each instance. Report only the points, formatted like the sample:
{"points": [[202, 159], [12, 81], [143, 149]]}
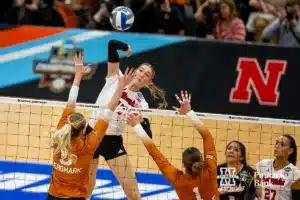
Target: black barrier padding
{"points": [[207, 69]]}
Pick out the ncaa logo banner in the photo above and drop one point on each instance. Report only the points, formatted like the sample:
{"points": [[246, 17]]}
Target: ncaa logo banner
{"points": [[31, 181], [58, 70]]}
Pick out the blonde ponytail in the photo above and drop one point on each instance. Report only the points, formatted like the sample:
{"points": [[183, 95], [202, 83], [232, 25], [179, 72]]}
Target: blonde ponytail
{"points": [[158, 93], [61, 143], [155, 91]]}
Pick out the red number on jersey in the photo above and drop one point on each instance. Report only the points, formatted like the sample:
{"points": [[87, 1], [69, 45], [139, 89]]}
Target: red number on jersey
{"points": [[270, 194]]}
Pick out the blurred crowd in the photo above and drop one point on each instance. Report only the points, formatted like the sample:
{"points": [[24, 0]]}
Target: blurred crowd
{"points": [[275, 21]]}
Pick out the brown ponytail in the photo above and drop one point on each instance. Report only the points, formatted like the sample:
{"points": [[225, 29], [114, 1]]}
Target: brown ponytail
{"points": [[196, 167], [192, 160]]}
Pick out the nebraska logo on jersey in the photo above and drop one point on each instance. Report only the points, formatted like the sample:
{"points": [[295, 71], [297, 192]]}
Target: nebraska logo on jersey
{"points": [[129, 99], [251, 78]]}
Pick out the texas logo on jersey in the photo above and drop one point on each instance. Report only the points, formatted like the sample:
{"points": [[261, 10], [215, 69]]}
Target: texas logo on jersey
{"points": [[31, 181]]}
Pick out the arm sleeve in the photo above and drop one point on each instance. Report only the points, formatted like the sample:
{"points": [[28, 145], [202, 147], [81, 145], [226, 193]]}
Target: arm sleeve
{"points": [[168, 170], [210, 153], [104, 97], [95, 137], [63, 119], [113, 46]]}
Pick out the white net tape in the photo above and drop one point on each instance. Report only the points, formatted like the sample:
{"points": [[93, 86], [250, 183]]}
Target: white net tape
{"points": [[171, 113]]}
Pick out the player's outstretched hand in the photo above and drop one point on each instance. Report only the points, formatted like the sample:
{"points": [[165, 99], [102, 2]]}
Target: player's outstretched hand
{"points": [[126, 78], [78, 60], [184, 101]]}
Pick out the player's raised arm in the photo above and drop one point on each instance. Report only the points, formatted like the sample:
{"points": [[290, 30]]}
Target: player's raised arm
{"points": [[104, 116], [123, 81], [168, 170], [79, 72], [73, 94], [113, 64], [210, 154]]}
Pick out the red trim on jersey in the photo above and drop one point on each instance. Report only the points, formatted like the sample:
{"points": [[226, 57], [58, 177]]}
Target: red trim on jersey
{"points": [[274, 181], [126, 98]]}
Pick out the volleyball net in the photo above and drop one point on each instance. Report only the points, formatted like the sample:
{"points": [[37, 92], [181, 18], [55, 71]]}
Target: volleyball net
{"points": [[27, 125]]}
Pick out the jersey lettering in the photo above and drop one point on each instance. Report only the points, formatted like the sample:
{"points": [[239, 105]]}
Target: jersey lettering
{"points": [[68, 170]]}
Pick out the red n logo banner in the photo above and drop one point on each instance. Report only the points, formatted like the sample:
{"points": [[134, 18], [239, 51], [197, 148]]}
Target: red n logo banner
{"points": [[252, 79]]}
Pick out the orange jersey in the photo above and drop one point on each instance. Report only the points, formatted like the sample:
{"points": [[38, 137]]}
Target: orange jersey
{"points": [[203, 187], [71, 180], [179, 2]]}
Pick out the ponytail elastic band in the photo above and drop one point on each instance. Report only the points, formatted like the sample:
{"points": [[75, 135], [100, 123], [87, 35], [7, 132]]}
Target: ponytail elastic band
{"points": [[195, 119]]}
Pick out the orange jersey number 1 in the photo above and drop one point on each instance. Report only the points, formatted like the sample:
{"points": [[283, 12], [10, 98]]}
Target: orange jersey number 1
{"points": [[197, 193]]}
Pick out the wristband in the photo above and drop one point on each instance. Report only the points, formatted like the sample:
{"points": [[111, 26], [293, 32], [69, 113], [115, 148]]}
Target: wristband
{"points": [[195, 119]]}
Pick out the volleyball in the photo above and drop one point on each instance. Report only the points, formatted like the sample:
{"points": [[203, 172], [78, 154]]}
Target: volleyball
{"points": [[122, 18]]}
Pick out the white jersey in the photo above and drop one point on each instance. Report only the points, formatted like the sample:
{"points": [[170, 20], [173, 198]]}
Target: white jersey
{"points": [[276, 185], [129, 99]]}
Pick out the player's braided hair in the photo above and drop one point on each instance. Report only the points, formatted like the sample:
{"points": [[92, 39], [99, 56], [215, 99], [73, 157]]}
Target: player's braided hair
{"points": [[61, 142]]}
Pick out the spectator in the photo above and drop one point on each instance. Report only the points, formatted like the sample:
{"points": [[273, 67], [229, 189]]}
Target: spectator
{"points": [[146, 19], [266, 12], [100, 20], [47, 15], [33, 12], [228, 25], [244, 9], [154, 16], [21, 12], [286, 27], [205, 18], [171, 19], [268, 6]]}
